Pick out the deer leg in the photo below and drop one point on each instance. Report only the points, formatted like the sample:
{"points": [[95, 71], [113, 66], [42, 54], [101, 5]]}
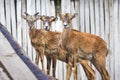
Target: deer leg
{"points": [[75, 73], [68, 71], [48, 65], [75, 66], [69, 68], [90, 73], [54, 65], [99, 63], [37, 58], [42, 58]]}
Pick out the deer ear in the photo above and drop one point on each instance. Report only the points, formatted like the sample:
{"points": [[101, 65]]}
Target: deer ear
{"points": [[53, 18], [73, 16], [26, 13], [41, 17], [24, 17], [36, 14]]}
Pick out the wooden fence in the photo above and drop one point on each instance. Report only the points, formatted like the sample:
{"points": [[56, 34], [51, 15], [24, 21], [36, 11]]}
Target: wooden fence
{"points": [[100, 17]]}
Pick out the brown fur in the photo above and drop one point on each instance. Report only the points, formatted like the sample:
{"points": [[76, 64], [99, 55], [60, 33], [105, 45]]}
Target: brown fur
{"points": [[83, 45], [35, 37], [39, 42], [51, 46], [52, 41]]}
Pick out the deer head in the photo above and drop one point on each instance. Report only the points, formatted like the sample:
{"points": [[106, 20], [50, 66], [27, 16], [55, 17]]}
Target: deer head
{"points": [[67, 19], [31, 19], [47, 21]]}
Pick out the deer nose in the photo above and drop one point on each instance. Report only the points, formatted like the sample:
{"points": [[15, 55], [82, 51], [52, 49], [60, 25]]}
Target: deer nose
{"points": [[46, 28], [65, 24]]}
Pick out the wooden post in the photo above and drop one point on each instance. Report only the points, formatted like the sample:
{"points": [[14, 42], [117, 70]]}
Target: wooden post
{"points": [[8, 23], [13, 19]]}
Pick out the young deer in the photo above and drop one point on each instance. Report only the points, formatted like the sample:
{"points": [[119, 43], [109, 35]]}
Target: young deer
{"points": [[84, 45], [52, 41], [37, 40], [49, 40]]}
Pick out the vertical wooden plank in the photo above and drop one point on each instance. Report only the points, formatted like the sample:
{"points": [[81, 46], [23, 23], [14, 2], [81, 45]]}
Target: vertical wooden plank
{"points": [[24, 26], [62, 6], [82, 15], [19, 37], [43, 7], [2, 12], [82, 29], [87, 23], [116, 40], [97, 18], [112, 58], [107, 33], [52, 4], [33, 11], [29, 8], [13, 18], [74, 9], [119, 17], [60, 70], [38, 9], [97, 28], [65, 7], [106, 22], [48, 8], [77, 10], [7, 8], [102, 19], [52, 11], [92, 16], [119, 35]]}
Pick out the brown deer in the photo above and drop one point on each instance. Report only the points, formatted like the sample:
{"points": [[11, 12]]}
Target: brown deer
{"points": [[49, 40], [38, 41], [84, 45], [52, 40]]}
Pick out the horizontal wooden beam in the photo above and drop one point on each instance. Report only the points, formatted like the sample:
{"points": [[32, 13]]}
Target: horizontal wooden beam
{"points": [[16, 63]]}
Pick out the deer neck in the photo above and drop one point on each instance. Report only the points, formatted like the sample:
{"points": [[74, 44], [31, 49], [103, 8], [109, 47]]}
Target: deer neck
{"points": [[32, 32], [67, 31]]}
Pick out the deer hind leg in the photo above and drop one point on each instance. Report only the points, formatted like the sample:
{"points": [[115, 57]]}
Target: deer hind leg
{"points": [[99, 63], [68, 71], [90, 73], [37, 58], [48, 65], [54, 65]]}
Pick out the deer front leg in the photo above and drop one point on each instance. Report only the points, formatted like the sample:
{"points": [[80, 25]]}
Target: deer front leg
{"points": [[75, 66], [42, 57], [48, 64], [37, 58], [69, 68], [54, 65], [68, 71]]}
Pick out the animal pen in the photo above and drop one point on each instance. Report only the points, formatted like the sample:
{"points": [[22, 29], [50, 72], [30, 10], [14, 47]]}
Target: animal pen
{"points": [[100, 17]]}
